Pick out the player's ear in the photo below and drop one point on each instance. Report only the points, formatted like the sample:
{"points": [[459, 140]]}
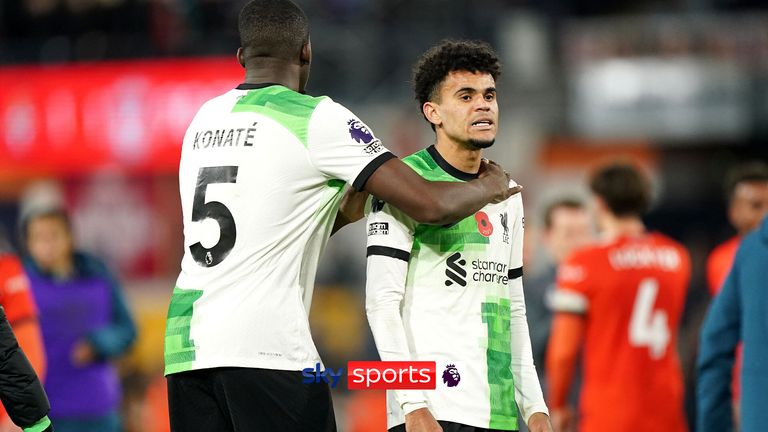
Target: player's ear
{"points": [[431, 113], [305, 57], [599, 204], [240, 57]]}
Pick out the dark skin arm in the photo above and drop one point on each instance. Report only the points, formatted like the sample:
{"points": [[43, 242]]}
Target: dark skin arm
{"points": [[351, 209], [436, 203]]}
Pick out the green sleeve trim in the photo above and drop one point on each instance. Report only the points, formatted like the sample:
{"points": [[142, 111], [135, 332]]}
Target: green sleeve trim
{"points": [[40, 426]]}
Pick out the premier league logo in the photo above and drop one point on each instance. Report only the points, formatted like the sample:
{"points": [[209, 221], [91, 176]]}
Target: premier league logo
{"points": [[451, 376], [359, 132]]}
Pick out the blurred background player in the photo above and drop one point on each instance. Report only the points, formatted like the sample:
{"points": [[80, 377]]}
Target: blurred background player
{"points": [[85, 323], [621, 299], [567, 227], [454, 293], [738, 314], [747, 187], [747, 205], [21, 312]]}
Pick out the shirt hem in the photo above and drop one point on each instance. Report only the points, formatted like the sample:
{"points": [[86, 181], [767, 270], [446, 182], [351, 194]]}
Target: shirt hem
{"points": [[474, 422], [246, 363]]}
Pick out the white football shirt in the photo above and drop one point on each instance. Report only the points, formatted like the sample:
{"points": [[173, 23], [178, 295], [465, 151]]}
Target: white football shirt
{"points": [[454, 295], [261, 176]]}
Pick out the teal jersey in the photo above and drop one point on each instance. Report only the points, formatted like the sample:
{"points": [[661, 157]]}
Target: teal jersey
{"points": [[457, 293]]}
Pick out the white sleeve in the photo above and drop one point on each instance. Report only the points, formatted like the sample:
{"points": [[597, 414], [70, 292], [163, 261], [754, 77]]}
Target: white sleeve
{"points": [[390, 238], [343, 147], [528, 394]]}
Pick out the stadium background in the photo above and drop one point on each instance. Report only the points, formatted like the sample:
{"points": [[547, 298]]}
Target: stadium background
{"points": [[95, 96]]}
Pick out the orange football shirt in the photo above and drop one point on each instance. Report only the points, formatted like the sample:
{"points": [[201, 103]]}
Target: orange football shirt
{"points": [[15, 296], [631, 293], [719, 263]]}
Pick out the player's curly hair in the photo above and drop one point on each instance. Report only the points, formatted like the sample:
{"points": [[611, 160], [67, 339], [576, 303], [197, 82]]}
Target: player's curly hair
{"points": [[446, 57]]}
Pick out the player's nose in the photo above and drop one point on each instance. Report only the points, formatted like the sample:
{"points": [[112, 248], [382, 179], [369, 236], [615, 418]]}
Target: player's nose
{"points": [[483, 105]]}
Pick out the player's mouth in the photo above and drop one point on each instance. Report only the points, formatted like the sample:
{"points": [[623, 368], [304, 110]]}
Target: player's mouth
{"points": [[482, 124]]}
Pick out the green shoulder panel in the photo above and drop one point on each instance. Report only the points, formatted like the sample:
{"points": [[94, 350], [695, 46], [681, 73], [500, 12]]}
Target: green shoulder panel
{"points": [[460, 236], [425, 166], [287, 107]]}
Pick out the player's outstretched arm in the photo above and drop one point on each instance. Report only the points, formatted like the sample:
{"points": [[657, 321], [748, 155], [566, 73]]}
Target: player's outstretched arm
{"points": [[562, 352], [438, 203], [528, 395]]}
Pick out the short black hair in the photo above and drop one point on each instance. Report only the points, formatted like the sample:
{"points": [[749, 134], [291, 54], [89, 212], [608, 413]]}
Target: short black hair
{"points": [[754, 171], [449, 56], [566, 202], [272, 28], [623, 187]]}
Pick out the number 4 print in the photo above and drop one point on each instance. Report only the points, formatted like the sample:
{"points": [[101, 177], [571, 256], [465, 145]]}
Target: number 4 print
{"points": [[201, 210], [649, 327]]}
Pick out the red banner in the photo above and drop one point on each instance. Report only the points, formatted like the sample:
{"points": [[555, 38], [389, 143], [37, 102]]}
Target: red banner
{"points": [[79, 118]]}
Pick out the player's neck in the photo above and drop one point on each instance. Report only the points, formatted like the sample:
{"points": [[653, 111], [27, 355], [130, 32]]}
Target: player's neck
{"points": [[615, 228], [271, 70], [459, 156], [62, 269]]}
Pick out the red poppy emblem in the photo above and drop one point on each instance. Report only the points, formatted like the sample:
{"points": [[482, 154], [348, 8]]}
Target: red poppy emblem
{"points": [[484, 224]]}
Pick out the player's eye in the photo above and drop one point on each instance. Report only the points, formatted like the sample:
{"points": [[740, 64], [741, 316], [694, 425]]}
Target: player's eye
{"points": [[465, 97], [490, 97]]}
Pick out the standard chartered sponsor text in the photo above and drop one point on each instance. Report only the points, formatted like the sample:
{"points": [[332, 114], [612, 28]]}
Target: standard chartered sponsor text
{"points": [[489, 271]]}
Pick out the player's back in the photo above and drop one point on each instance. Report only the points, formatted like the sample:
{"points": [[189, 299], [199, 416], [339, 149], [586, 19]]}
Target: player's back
{"points": [[635, 290], [243, 169], [261, 176]]}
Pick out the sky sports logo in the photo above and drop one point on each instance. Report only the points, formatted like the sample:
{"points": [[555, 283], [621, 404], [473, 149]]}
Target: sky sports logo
{"points": [[387, 375]]}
